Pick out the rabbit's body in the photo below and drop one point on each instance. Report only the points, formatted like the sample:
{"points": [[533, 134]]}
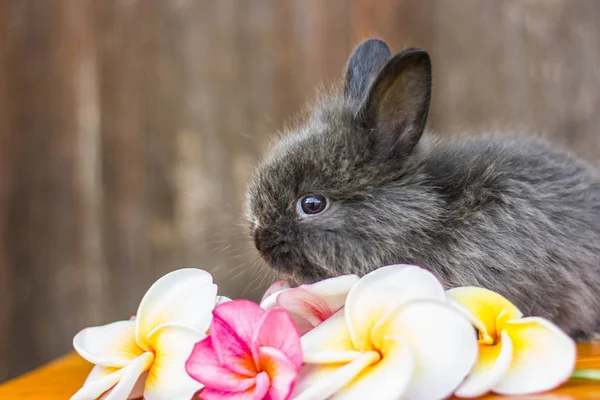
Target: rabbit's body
{"points": [[511, 215]]}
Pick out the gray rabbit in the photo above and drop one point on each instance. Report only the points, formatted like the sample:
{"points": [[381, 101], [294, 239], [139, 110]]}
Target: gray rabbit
{"points": [[360, 185]]}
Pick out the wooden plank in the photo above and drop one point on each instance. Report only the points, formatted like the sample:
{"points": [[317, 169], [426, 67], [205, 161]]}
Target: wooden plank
{"points": [[519, 65], [42, 264], [5, 175]]}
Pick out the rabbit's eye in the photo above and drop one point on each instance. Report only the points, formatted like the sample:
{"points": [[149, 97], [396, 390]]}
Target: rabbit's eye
{"points": [[311, 204]]}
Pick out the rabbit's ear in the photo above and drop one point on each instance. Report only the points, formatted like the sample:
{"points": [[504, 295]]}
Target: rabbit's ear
{"points": [[368, 59], [397, 104]]}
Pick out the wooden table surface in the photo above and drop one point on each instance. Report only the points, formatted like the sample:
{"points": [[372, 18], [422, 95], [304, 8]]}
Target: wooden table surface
{"points": [[61, 378]]}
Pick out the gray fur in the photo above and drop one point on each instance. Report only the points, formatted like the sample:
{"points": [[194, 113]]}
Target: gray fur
{"points": [[510, 214]]}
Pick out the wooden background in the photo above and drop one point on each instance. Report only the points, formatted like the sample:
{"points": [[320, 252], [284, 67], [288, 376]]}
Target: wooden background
{"points": [[129, 128]]}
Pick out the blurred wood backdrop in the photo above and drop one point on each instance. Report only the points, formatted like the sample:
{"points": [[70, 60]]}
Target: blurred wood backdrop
{"points": [[129, 128]]}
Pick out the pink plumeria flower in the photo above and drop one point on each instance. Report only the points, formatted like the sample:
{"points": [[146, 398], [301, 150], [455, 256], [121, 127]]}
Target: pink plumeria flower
{"points": [[395, 338], [309, 305], [250, 354], [145, 355], [517, 356]]}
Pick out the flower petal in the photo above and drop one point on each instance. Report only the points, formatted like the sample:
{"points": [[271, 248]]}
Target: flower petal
{"points": [[102, 380], [335, 289], [443, 343], [185, 297], [321, 381], [167, 378], [271, 300], [274, 288], [241, 315], [543, 357], [128, 381], [276, 329], [204, 366], [330, 342], [98, 381], [138, 389], [258, 391], [111, 345], [305, 304], [483, 307], [302, 324], [282, 372], [383, 290], [492, 363], [232, 329], [318, 301], [387, 379]]}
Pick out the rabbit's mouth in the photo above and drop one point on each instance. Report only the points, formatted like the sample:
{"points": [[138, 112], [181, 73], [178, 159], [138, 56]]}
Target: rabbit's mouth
{"points": [[279, 252], [289, 262]]}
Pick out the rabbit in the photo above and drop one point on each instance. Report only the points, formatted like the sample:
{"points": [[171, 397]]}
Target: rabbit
{"points": [[360, 185]]}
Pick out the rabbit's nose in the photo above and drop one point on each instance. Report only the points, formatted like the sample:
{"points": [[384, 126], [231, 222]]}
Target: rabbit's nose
{"points": [[267, 240]]}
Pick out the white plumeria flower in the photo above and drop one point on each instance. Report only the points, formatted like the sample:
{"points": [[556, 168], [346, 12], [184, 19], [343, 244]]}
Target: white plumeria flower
{"points": [[309, 305], [146, 355], [517, 355], [396, 337]]}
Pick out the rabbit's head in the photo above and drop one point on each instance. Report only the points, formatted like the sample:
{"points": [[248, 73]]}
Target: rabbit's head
{"points": [[317, 204]]}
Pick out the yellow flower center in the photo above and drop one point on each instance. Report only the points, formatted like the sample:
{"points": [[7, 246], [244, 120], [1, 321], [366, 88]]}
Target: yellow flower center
{"points": [[485, 338], [493, 338]]}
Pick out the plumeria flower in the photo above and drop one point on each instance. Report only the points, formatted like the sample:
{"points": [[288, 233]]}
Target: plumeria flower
{"points": [[145, 355], [309, 305], [516, 355], [396, 337], [251, 354]]}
